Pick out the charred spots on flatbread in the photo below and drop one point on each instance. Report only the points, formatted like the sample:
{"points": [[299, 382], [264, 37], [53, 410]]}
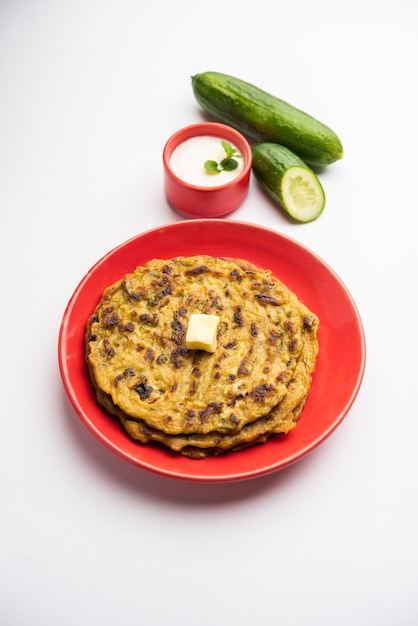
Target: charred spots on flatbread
{"points": [[149, 355], [274, 336], [261, 392], [176, 356], [215, 304], [211, 409], [265, 298], [238, 315], [135, 290], [143, 390], [290, 326], [236, 275], [110, 317], [244, 368], [154, 299], [234, 419], [178, 329], [149, 319], [194, 402], [126, 328], [309, 321], [127, 373], [198, 271], [108, 349]]}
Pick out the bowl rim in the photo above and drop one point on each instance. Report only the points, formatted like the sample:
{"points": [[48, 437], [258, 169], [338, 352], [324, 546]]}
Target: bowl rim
{"points": [[215, 129]]}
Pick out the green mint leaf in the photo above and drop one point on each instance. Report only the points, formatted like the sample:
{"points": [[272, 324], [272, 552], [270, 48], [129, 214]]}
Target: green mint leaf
{"points": [[211, 167], [229, 164], [229, 150]]}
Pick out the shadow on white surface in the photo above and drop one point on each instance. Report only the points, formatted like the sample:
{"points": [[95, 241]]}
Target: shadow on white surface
{"points": [[123, 475]]}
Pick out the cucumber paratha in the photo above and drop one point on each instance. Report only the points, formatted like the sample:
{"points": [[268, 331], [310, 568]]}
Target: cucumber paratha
{"points": [[254, 385]]}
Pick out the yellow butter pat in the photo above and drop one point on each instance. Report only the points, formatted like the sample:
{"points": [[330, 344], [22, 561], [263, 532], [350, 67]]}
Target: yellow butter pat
{"points": [[202, 332]]}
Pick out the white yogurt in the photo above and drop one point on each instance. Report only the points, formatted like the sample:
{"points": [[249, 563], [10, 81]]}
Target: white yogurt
{"points": [[188, 159]]}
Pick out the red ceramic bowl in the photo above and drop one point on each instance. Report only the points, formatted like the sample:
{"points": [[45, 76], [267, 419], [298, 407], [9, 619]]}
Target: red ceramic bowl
{"points": [[197, 200]]}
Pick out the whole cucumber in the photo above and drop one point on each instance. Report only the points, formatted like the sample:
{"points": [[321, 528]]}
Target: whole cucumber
{"points": [[289, 181], [263, 117]]}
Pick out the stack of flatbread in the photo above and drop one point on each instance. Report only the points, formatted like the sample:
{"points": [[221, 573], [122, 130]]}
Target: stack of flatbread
{"points": [[195, 402]]}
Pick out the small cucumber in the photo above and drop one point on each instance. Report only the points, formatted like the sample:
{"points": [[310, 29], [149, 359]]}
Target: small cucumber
{"points": [[264, 118], [289, 181]]}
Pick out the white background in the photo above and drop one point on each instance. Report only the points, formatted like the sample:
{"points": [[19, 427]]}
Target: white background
{"points": [[90, 90]]}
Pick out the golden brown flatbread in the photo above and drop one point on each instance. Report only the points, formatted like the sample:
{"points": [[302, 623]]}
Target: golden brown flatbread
{"points": [[254, 385]]}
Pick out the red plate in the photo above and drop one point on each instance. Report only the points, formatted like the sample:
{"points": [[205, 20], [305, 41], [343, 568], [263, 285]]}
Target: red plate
{"points": [[340, 365]]}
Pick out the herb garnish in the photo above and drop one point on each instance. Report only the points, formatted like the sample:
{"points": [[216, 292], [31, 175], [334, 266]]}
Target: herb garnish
{"points": [[228, 164]]}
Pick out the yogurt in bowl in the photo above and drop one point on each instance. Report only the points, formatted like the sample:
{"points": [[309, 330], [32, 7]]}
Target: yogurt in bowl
{"points": [[207, 169], [188, 161]]}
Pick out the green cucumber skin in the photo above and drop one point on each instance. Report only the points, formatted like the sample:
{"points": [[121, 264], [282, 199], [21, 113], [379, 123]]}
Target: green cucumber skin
{"points": [[263, 117], [269, 164]]}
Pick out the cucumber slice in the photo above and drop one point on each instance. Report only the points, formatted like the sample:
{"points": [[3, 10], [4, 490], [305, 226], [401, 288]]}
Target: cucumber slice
{"points": [[302, 195], [289, 181]]}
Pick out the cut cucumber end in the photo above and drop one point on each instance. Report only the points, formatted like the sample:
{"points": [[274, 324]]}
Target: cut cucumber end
{"points": [[302, 195]]}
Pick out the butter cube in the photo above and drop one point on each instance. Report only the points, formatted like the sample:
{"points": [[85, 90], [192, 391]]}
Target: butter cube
{"points": [[202, 332]]}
